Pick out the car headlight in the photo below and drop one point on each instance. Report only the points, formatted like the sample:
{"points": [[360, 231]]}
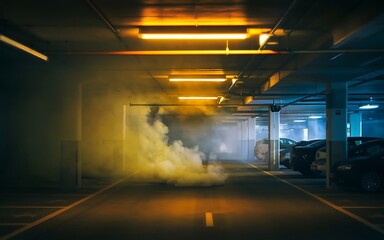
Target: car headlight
{"points": [[345, 167]]}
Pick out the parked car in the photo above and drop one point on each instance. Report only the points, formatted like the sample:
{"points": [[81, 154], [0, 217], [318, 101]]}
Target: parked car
{"points": [[303, 156], [261, 147], [318, 165], [366, 148], [365, 172], [285, 154]]}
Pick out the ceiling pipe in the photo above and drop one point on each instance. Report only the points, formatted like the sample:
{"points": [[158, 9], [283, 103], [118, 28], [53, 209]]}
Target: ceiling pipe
{"points": [[240, 75], [381, 77], [105, 20]]}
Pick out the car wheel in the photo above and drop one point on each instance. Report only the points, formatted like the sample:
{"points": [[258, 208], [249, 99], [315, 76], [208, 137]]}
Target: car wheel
{"points": [[371, 181]]}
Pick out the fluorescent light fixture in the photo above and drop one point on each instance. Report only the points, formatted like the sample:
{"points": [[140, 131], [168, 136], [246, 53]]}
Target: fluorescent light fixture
{"points": [[263, 38], [197, 79], [222, 99], [23, 47], [190, 32], [369, 106], [299, 120], [188, 52], [314, 117], [196, 36], [197, 98]]}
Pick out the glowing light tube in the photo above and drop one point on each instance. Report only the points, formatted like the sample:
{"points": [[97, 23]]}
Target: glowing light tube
{"points": [[197, 98], [194, 36], [23, 47], [197, 79]]}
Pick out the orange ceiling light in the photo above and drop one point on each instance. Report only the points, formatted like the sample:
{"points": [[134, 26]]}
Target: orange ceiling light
{"points": [[22, 47], [194, 36], [197, 98], [197, 78], [193, 33]]}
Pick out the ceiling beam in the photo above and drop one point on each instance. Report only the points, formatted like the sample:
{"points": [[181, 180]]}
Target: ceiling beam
{"points": [[355, 22]]}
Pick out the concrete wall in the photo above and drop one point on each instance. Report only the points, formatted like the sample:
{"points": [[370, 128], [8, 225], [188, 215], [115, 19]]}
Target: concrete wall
{"points": [[102, 124], [39, 113]]}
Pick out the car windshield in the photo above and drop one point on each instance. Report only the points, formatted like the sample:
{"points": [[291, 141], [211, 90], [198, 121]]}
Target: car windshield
{"points": [[368, 147]]}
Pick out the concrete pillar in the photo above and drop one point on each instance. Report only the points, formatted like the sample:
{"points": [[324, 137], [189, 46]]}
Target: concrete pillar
{"points": [[274, 139], [244, 139], [336, 124], [251, 137], [239, 142], [355, 124]]}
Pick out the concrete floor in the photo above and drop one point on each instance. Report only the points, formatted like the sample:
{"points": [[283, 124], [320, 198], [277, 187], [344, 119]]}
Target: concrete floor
{"points": [[250, 205]]}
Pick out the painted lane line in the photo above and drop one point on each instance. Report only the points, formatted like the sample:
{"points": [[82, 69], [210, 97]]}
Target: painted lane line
{"points": [[209, 219], [349, 214], [54, 214]]}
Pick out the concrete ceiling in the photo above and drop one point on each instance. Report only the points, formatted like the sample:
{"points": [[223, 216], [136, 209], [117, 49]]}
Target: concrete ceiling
{"points": [[311, 42]]}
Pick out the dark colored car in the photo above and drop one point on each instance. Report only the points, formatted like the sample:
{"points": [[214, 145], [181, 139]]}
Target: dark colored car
{"points": [[318, 166], [366, 172], [285, 154], [366, 148], [303, 156]]}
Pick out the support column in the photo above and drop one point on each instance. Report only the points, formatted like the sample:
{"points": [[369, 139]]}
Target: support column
{"points": [[251, 137], [239, 143], [274, 138], [355, 124], [244, 139], [336, 125]]}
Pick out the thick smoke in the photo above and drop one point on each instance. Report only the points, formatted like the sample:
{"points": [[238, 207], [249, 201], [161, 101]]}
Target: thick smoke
{"points": [[158, 160]]}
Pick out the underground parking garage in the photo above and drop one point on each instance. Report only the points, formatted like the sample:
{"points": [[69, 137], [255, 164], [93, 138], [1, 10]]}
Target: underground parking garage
{"points": [[139, 119]]}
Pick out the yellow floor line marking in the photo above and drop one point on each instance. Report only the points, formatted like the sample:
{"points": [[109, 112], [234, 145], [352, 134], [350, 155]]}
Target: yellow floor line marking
{"points": [[209, 219], [349, 214], [54, 214]]}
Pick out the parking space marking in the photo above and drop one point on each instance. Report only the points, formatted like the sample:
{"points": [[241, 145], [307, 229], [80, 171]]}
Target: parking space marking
{"points": [[209, 219], [54, 214], [342, 210]]}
